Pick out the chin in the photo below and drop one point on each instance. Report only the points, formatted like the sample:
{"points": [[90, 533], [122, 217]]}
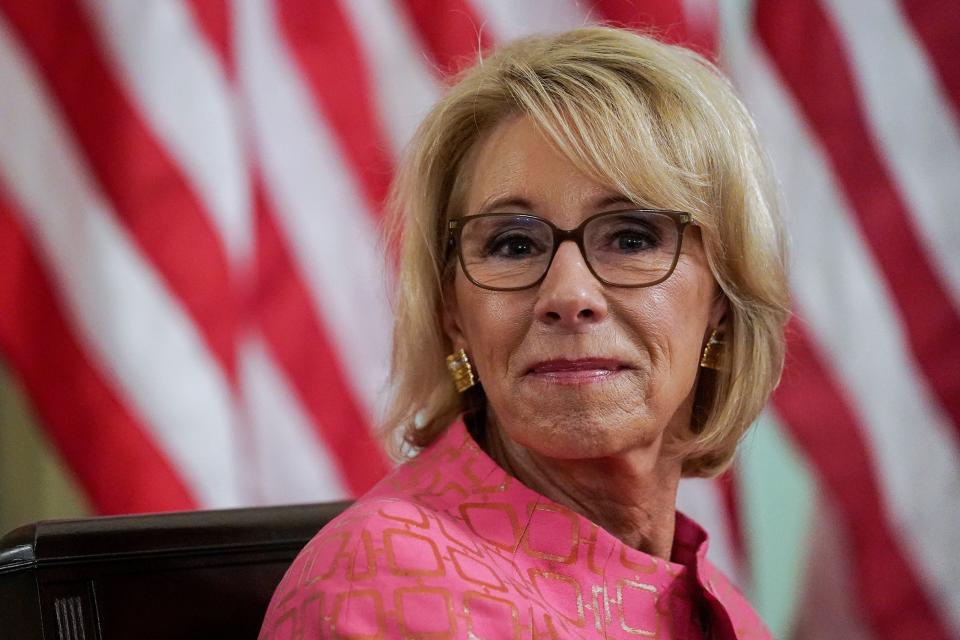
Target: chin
{"points": [[581, 434]]}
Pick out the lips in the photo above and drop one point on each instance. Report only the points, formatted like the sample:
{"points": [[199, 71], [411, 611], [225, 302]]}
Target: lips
{"points": [[584, 364], [576, 371]]}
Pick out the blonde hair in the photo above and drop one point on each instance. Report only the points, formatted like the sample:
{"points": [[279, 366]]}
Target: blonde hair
{"points": [[659, 124]]}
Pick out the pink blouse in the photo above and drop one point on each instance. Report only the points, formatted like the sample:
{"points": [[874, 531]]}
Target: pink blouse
{"points": [[450, 546]]}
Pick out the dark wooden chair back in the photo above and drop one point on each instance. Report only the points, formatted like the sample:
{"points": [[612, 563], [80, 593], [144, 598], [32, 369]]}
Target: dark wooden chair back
{"points": [[203, 574]]}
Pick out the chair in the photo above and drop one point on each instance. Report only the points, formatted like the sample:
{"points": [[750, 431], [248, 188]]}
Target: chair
{"points": [[203, 574]]}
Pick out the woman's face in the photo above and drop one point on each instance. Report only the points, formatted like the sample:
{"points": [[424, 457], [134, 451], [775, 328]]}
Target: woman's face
{"points": [[573, 368]]}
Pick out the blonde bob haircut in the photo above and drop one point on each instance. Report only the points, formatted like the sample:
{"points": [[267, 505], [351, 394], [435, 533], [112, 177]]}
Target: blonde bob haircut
{"points": [[655, 122]]}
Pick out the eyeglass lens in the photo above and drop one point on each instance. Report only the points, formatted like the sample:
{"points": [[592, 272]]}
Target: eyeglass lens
{"points": [[626, 248]]}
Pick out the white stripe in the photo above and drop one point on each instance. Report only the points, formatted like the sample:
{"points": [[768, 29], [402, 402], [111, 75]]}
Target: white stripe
{"points": [[912, 121], [509, 19], [132, 325], [175, 79], [292, 464], [403, 81], [702, 500], [321, 213], [844, 299], [827, 606], [700, 14]]}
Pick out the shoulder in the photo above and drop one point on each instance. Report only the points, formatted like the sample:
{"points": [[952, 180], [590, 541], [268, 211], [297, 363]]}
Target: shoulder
{"points": [[340, 581]]}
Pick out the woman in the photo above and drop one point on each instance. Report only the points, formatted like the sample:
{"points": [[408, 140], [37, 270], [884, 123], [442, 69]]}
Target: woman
{"points": [[589, 233]]}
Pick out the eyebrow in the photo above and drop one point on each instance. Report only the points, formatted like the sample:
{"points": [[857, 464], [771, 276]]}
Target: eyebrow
{"points": [[523, 203], [617, 199], [505, 201]]}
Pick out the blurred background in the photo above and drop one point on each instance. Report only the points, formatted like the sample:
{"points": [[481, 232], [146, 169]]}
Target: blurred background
{"points": [[195, 309]]}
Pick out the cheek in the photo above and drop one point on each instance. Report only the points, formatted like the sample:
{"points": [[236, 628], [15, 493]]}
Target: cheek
{"points": [[672, 321], [493, 324]]}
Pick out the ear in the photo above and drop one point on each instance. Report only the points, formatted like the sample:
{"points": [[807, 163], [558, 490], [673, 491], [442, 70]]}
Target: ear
{"points": [[452, 320], [718, 314]]}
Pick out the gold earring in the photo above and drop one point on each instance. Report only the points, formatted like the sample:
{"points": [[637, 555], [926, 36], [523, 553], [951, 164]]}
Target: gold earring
{"points": [[712, 352], [459, 368]]}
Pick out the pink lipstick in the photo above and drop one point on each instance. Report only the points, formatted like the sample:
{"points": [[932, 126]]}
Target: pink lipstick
{"points": [[579, 371]]}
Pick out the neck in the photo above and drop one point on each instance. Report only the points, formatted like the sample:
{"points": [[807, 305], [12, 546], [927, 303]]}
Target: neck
{"points": [[632, 495]]}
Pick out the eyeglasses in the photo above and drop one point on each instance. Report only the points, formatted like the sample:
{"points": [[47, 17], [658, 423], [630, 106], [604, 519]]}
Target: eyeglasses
{"points": [[511, 251]]}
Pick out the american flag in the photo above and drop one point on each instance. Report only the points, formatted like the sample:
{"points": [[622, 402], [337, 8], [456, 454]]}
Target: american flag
{"points": [[194, 296]]}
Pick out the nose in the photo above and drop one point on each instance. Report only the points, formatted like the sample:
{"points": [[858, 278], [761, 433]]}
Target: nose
{"points": [[570, 297]]}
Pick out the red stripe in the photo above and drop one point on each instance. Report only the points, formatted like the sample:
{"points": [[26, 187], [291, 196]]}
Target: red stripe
{"points": [[451, 31], [214, 18], [808, 53], [300, 346], [666, 18], [321, 40], [105, 445], [147, 191], [823, 424], [281, 309], [937, 22]]}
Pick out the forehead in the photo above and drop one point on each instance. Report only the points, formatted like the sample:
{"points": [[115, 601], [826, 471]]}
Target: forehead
{"points": [[515, 163]]}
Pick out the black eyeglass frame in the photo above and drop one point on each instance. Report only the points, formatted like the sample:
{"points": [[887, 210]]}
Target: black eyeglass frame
{"points": [[681, 218]]}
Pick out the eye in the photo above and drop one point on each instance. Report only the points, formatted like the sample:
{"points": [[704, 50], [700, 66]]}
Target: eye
{"points": [[512, 244], [629, 233], [632, 239]]}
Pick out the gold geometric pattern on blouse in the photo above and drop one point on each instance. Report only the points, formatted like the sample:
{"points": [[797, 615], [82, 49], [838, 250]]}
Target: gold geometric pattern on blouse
{"points": [[478, 545]]}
